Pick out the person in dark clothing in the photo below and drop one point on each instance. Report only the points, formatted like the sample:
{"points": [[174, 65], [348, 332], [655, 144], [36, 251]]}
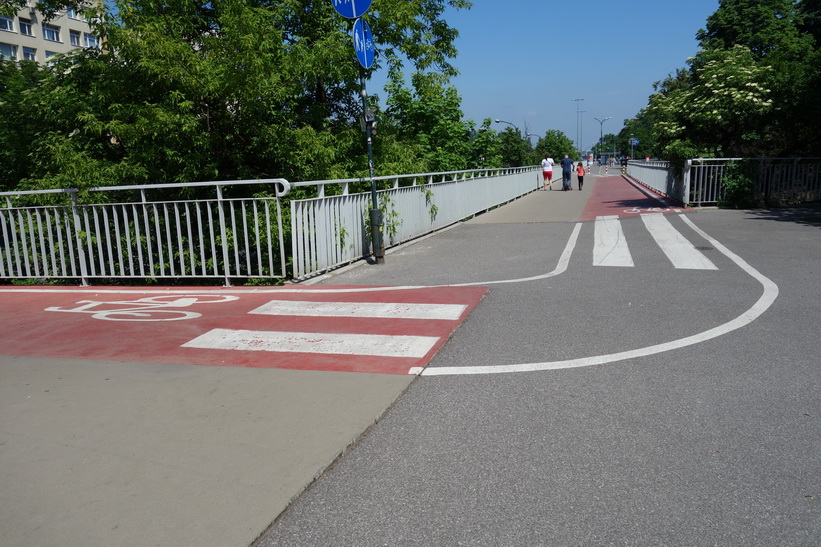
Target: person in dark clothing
{"points": [[567, 173]]}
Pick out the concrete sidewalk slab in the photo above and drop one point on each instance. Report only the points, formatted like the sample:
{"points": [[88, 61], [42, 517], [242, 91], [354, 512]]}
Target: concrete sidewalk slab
{"points": [[134, 454]]}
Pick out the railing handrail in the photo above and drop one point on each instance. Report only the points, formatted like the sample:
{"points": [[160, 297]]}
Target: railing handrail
{"points": [[217, 183], [404, 176]]}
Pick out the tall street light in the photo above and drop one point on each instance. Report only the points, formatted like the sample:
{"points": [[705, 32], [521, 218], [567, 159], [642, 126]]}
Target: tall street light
{"points": [[578, 125], [528, 135], [508, 123], [601, 131]]}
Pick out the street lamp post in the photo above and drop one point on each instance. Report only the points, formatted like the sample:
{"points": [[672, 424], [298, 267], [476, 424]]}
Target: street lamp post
{"points": [[578, 125], [511, 124], [601, 131]]}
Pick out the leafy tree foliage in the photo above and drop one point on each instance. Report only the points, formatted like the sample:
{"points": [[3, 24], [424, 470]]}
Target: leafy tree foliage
{"points": [[220, 90], [752, 90], [640, 128], [429, 119], [555, 144]]}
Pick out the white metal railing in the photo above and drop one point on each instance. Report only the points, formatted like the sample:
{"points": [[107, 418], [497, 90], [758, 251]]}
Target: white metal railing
{"points": [[785, 180], [660, 176], [328, 232], [215, 237]]}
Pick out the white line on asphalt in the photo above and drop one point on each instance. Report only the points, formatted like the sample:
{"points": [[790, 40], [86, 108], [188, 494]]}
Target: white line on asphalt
{"points": [[561, 267], [762, 304], [387, 310], [312, 342], [681, 252], [610, 246]]}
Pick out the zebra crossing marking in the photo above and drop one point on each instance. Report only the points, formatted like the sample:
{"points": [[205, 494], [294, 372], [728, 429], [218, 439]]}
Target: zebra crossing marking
{"points": [[681, 252], [610, 248], [610, 244], [378, 310], [375, 345]]}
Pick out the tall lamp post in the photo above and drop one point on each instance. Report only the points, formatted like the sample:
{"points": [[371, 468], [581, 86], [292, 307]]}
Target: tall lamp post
{"points": [[511, 124], [578, 125], [601, 131]]}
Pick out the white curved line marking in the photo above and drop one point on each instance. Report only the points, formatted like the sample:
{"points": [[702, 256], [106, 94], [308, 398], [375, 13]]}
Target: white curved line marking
{"points": [[764, 302]]}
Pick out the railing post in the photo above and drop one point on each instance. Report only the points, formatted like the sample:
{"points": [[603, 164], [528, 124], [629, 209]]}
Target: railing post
{"points": [[223, 236], [686, 183], [81, 254]]}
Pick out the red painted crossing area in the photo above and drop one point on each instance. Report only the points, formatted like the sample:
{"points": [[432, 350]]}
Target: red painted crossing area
{"points": [[617, 196], [386, 330]]}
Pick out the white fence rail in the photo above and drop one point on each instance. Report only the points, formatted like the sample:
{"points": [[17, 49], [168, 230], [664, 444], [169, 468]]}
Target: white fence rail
{"points": [[328, 232], [783, 180], [221, 238], [231, 237], [659, 176]]}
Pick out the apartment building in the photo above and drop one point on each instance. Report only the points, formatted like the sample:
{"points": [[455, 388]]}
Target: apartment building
{"points": [[28, 36]]}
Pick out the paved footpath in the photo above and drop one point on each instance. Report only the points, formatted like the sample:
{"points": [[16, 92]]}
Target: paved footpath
{"points": [[116, 437]]}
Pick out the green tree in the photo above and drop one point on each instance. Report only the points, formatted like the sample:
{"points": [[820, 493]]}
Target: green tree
{"points": [[484, 146], [720, 108], [429, 118], [555, 144], [514, 150], [774, 32], [224, 89], [641, 129]]}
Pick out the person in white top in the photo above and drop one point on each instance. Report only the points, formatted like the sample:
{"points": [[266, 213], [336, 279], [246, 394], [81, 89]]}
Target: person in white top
{"points": [[547, 171]]}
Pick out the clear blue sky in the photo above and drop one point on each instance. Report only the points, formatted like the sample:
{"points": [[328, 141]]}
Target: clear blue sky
{"points": [[524, 61]]}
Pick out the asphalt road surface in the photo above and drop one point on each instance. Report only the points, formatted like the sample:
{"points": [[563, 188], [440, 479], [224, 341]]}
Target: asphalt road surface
{"points": [[598, 405]]}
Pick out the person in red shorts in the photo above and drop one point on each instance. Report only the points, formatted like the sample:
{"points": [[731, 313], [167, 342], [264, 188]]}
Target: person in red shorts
{"points": [[547, 171]]}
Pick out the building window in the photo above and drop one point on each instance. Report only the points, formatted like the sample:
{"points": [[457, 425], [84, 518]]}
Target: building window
{"points": [[26, 28], [74, 37], [6, 23], [51, 33], [29, 54], [90, 40], [8, 51], [71, 12]]}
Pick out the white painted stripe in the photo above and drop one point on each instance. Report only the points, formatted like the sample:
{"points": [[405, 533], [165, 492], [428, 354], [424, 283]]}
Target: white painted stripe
{"points": [[762, 304], [387, 310], [681, 252], [610, 246], [560, 268], [313, 342]]}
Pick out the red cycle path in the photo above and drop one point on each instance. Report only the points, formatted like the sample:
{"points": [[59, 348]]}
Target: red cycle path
{"points": [[617, 196], [28, 329]]}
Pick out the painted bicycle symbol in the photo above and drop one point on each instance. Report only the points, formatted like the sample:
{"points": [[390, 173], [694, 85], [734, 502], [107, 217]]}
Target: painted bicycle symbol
{"points": [[643, 210], [150, 308]]}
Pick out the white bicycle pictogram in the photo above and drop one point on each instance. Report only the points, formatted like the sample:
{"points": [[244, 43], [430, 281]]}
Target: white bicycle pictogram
{"points": [[643, 210], [150, 308]]}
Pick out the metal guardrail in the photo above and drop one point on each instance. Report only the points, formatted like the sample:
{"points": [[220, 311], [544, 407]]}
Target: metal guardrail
{"points": [[220, 237], [328, 232], [659, 176], [785, 180], [201, 238]]}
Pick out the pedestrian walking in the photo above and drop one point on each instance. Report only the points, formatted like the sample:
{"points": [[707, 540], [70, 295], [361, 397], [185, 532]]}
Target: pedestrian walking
{"points": [[567, 173], [580, 174], [547, 171]]}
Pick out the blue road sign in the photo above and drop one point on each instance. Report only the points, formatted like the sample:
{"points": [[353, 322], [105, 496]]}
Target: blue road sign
{"points": [[351, 8], [363, 43]]}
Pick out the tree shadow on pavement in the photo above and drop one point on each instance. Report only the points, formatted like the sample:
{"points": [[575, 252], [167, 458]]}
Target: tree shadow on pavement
{"points": [[807, 215]]}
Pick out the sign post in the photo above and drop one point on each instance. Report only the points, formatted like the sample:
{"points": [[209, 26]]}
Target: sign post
{"points": [[364, 49]]}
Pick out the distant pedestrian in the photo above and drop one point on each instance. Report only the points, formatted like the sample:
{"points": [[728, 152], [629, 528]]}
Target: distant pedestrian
{"points": [[567, 173], [580, 174], [547, 171]]}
